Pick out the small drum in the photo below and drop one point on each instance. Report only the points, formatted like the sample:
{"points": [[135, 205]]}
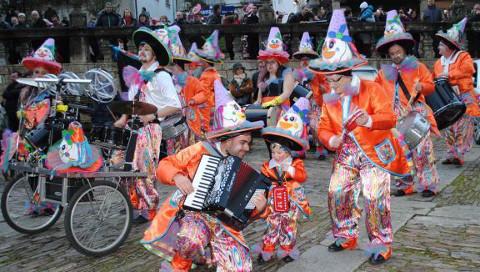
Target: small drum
{"points": [[110, 137], [173, 126], [269, 116], [38, 137], [300, 91], [445, 104], [414, 127]]}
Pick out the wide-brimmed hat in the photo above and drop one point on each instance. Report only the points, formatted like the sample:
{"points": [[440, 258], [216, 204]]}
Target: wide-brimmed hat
{"points": [[44, 57], [339, 54], [454, 37], [229, 118], [305, 49], [176, 46], [73, 153], [210, 51], [274, 48], [154, 39], [394, 34], [290, 129], [192, 56]]}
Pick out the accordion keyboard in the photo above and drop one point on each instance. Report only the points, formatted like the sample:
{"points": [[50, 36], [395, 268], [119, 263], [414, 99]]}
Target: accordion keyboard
{"points": [[203, 180]]}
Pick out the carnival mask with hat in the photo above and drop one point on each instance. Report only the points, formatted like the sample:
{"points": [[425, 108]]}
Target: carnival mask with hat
{"points": [[394, 34], [339, 54], [210, 51], [156, 40], [73, 153], [290, 130], [229, 117], [454, 37], [305, 50], [44, 57], [274, 48]]}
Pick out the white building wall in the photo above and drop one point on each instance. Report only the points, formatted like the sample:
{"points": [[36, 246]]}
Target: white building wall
{"points": [[158, 8]]}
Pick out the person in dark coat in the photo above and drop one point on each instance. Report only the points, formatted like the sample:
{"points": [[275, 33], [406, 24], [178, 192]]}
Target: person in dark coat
{"points": [[10, 100], [251, 18]]}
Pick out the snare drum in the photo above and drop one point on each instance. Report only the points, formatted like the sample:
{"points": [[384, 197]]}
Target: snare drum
{"points": [[112, 137], [414, 128], [173, 126], [445, 103], [38, 137], [269, 116]]}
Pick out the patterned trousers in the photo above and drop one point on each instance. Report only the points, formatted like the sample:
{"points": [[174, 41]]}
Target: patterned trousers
{"points": [[282, 230], [198, 234], [425, 169], [352, 173], [459, 137]]}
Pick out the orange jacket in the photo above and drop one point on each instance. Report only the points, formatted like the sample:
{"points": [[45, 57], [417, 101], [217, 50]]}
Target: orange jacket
{"points": [[207, 78], [194, 90], [423, 75], [319, 87], [294, 189], [460, 74], [184, 162], [378, 142]]}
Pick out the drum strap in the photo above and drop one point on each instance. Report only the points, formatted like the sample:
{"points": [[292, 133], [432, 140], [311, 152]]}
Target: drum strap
{"points": [[402, 86]]}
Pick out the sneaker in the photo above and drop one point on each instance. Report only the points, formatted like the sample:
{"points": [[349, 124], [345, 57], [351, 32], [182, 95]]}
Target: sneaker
{"points": [[428, 193], [349, 244], [403, 192], [447, 161], [381, 258]]}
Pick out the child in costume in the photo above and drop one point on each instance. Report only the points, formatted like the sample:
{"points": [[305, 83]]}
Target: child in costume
{"points": [[286, 199]]}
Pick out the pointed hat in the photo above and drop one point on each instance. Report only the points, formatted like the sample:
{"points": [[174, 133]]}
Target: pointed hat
{"points": [[156, 40], [274, 48], [394, 34], [210, 51], [339, 54], [455, 35], [305, 49], [44, 56]]}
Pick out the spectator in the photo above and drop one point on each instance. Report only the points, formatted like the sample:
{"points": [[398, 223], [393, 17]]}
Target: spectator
{"points": [[37, 22], [145, 12], [56, 22], [241, 87], [257, 78], [128, 20], [143, 21], [474, 41], [252, 38], [432, 14], [50, 13], [403, 15], [380, 15], [230, 20], [366, 13], [216, 17], [348, 14], [4, 24], [164, 20], [92, 41], [22, 21], [65, 21], [14, 22], [412, 13], [322, 14], [10, 100], [446, 16], [108, 17], [306, 15], [179, 18]]}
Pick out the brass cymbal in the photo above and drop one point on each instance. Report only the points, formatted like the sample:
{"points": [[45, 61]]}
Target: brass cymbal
{"points": [[132, 107]]}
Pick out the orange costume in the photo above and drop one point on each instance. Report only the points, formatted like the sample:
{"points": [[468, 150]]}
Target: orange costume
{"points": [[378, 142], [163, 235], [207, 78], [195, 91], [459, 136], [460, 72]]}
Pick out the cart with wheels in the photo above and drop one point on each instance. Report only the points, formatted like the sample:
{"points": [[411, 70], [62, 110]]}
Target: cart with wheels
{"points": [[98, 210]]}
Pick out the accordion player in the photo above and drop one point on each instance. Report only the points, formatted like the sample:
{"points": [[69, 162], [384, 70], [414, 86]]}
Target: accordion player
{"points": [[225, 187]]}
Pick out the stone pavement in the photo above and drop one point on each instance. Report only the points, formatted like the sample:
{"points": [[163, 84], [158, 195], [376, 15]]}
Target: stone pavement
{"points": [[50, 251]]}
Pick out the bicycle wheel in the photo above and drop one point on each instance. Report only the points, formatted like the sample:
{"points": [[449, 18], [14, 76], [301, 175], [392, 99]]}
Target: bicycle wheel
{"points": [[21, 207], [98, 218]]}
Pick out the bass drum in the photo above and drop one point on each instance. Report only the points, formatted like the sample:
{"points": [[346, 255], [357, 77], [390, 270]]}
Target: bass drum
{"points": [[445, 104], [270, 116]]}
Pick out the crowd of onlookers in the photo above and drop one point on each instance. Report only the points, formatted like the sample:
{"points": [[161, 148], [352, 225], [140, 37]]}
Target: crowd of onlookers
{"points": [[248, 14]]}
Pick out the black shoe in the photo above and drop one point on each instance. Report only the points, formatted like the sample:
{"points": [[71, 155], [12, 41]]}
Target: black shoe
{"points": [[428, 193], [140, 220], [335, 248], [399, 193], [379, 260], [288, 259], [447, 161], [260, 259]]}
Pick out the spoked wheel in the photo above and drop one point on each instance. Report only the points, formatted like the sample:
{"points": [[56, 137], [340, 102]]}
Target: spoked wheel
{"points": [[22, 209], [98, 218]]}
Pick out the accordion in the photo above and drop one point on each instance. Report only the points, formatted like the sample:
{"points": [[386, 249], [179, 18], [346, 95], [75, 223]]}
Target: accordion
{"points": [[225, 187]]}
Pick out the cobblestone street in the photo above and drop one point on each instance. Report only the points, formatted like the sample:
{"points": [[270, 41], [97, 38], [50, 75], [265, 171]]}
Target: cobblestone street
{"points": [[442, 228]]}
